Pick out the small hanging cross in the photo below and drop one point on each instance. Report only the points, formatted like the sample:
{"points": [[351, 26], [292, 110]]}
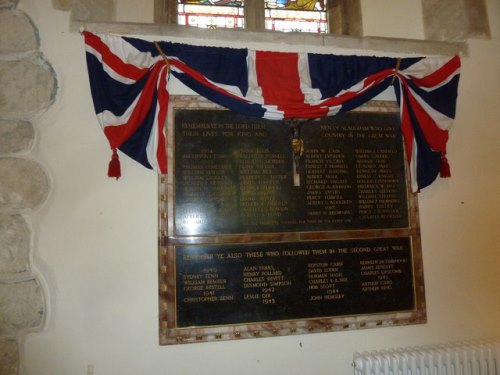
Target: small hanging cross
{"points": [[297, 147]]}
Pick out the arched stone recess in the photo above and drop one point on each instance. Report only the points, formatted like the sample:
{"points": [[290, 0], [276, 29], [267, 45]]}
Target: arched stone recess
{"points": [[28, 87]]}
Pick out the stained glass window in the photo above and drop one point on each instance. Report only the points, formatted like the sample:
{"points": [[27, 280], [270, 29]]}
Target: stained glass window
{"points": [[280, 15], [211, 14], [296, 15]]}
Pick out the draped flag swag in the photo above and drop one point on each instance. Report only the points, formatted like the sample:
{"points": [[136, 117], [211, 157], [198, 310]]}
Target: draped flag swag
{"points": [[129, 85]]}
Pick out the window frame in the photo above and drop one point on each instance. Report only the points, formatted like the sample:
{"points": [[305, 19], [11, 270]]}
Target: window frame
{"points": [[344, 16]]}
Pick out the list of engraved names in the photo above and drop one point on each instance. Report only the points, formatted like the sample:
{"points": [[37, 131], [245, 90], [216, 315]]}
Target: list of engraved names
{"points": [[236, 175], [321, 278]]}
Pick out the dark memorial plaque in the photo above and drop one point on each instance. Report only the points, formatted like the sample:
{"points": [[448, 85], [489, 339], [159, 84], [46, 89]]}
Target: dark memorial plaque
{"points": [[228, 284], [257, 241], [234, 174]]}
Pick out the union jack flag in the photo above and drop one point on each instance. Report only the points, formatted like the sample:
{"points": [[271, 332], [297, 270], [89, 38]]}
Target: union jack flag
{"points": [[129, 85]]}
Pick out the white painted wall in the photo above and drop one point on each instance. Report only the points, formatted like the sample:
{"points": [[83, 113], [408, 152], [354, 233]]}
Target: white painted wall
{"points": [[95, 242]]}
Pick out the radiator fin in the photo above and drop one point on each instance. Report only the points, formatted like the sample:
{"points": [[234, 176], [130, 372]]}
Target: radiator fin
{"points": [[480, 357]]}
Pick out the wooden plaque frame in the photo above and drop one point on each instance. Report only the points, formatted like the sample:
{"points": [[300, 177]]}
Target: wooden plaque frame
{"points": [[171, 333]]}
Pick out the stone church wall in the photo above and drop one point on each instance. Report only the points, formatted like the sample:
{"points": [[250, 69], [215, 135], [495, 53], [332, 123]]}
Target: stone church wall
{"points": [[28, 87]]}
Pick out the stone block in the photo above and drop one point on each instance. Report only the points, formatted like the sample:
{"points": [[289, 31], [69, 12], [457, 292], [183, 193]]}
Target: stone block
{"points": [[28, 87], [444, 20], [62, 4], [9, 357], [21, 307], [94, 10], [14, 244], [479, 26], [455, 20], [23, 184], [17, 32], [15, 136], [8, 3]]}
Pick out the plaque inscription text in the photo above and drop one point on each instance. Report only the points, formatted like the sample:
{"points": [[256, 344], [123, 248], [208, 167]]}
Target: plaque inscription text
{"points": [[227, 284], [234, 174]]}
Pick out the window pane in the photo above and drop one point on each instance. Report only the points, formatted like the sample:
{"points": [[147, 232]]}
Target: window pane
{"points": [[296, 15], [211, 14]]}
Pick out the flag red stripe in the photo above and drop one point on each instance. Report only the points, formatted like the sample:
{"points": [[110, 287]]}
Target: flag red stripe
{"points": [[435, 137], [163, 98], [406, 126], [440, 75], [369, 81], [278, 77], [114, 62], [197, 76], [118, 134], [305, 110]]}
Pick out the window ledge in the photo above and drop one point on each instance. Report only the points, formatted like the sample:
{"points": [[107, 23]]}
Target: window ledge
{"points": [[309, 41]]}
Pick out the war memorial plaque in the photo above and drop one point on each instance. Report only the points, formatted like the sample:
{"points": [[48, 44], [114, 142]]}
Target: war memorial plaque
{"points": [[256, 240]]}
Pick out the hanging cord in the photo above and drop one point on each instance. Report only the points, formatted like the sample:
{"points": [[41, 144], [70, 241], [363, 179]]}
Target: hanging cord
{"points": [[396, 70], [162, 54]]}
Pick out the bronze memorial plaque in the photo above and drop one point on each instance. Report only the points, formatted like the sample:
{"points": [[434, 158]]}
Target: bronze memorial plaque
{"points": [[258, 238]]}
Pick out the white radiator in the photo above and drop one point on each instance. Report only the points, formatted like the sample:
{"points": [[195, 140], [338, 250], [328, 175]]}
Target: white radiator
{"points": [[461, 358]]}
